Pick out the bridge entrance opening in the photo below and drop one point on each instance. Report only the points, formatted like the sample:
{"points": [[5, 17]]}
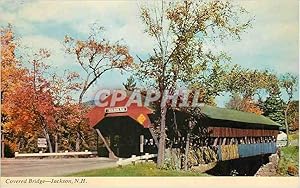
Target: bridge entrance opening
{"points": [[125, 137]]}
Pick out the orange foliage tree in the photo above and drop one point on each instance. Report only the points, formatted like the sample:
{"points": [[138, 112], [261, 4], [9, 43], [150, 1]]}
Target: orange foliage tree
{"points": [[29, 105], [36, 105], [11, 78], [243, 104], [96, 56], [69, 113]]}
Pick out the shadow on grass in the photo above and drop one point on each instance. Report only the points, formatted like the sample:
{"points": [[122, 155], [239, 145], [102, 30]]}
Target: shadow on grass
{"points": [[139, 169]]}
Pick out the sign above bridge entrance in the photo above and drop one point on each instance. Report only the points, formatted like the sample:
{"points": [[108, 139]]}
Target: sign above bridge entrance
{"points": [[115, 110]]}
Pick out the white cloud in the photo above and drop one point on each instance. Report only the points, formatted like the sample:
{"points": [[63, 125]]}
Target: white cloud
{"points": [[40, 41], [275, 28], [273, 41], [48, 11], [120, 18], [36, 42], [121, 21]]}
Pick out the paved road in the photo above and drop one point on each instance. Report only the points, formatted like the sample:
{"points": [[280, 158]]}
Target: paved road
{"points": [[51, 167]]}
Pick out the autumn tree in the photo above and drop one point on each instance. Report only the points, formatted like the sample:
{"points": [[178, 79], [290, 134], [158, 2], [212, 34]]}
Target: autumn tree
{"points": [[245, 85], [96, 56], [289, 83], [9, 64], [11, 78], [249, 83], [12, 74], [243, 104], [67, 118], [29, 106], [23, 94], [180, 30], [36, 103], [63, 88], [293, 116]]}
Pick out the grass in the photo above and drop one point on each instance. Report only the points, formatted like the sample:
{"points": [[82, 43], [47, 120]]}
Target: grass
{"points": [[139, 169], [293, 137], [289, 159]]}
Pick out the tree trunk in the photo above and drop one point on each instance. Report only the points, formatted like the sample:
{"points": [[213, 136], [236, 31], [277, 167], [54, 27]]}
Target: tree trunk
{"points": [[162, 139], [77, 147], [2, 146], [46, 134], [187, 147], [81, 96], [56, 143], [286, 122]]}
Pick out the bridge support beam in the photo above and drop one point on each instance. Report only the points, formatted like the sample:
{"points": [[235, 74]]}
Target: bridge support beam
{"points": [[111, 154]]}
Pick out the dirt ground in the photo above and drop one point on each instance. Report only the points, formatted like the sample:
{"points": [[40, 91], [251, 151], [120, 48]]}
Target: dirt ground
{"points": [[270, 169], [51, 167]]}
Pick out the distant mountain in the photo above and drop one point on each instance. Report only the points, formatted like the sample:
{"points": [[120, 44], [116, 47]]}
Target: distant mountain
{"points": [[90, 103]]}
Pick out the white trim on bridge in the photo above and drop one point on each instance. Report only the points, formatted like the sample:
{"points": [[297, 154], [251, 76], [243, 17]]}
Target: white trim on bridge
{"points": [[66, 153], [135, 158]]}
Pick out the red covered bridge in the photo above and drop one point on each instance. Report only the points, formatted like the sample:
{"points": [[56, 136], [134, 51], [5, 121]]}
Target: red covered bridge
{"points": [[231, 134], [127, 127]]}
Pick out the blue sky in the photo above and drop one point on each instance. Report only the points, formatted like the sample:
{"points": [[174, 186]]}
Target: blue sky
{"points": [[271, 44]]}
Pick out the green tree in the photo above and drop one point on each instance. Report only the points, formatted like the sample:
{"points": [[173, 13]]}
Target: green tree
{"points": [[273, 107], [211, 81], [180, 29], [130, 84], [249, 83], [289, 83]]}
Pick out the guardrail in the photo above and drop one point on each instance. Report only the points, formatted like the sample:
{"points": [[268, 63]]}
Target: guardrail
{"points": [[66, 153], [135, 158]]}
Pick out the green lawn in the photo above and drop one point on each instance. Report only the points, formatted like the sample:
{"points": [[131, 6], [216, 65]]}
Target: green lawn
{"points": [[140, 169], [289, 158], [293, 137]]}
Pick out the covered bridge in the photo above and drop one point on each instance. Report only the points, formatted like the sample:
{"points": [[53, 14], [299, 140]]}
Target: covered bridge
{"points": [[231, 134], [123, 129], [129, 130]]}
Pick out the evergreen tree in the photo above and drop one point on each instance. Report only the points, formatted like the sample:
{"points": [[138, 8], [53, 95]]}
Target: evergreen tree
{"points": [[130, 84], [273, 107]]}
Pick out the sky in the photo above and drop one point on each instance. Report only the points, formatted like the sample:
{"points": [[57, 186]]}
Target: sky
{"points": [[272, 42]]}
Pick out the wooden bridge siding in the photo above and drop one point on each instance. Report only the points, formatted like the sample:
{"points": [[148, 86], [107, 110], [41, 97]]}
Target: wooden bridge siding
{"points": [[238, 132], [247, 150], [229, 152]]}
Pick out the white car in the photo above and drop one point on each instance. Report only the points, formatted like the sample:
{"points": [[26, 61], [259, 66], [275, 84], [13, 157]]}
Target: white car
{"points": [[281, 139]]}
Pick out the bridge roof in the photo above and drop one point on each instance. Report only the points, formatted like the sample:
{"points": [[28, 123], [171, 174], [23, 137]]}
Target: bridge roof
{"points": [[138, 113], [235, 115]]}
